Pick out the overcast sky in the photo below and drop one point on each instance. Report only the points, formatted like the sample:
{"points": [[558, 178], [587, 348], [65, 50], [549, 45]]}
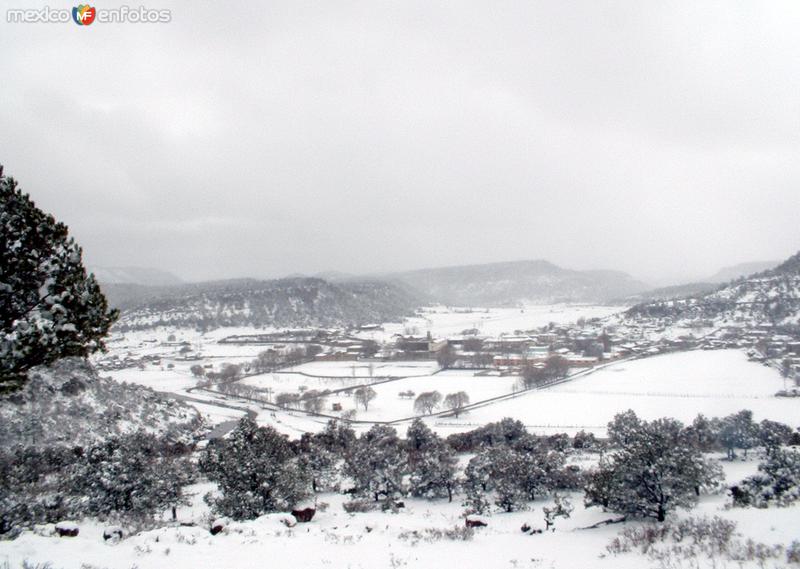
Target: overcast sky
{"points": [[267, 138]]}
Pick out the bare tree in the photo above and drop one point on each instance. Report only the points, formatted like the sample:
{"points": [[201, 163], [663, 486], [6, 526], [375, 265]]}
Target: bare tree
{"points": [[456, 401], [426, 402], [363, 396]]}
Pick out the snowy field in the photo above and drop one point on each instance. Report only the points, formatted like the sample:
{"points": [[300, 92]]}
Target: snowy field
{"points": [[443, 321], [389, 406], [680, 385], [410, 538]]}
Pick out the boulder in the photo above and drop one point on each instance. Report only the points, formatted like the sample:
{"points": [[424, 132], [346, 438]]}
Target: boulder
{"points": [[304, 515], [67, 529]]}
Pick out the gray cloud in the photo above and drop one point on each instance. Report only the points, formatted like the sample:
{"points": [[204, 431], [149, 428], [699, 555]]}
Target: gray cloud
{"points": [[268, 138]]}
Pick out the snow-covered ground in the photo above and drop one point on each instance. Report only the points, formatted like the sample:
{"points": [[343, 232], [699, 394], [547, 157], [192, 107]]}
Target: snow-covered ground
{"points": [[411, 538], [680, 385], [388, 405], [444, 321]]}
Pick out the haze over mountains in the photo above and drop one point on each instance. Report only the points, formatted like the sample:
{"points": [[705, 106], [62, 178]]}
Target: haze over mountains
{"points": [[734, 272], [151, 297], [512, 283], [134, 275]]}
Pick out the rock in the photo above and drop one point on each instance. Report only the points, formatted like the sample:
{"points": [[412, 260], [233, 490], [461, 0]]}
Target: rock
{"points": [[67, 529], [113, 533], [305, 515], [219, 525]]}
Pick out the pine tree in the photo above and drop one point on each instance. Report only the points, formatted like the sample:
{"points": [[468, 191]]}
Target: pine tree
{"points": [[49, 307], [777, 482], [431, 463], [256, 470], [377, 463], [655, 469], [131, 474]]}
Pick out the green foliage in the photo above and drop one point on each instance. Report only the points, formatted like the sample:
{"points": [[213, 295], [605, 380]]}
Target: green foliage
{"points": [[654, 469], [256, 470], [49, 307]]}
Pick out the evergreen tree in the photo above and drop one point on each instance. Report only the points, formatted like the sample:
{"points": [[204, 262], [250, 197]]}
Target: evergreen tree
{"points": [[132, 474], [49, 307], [738, 431], [377, 464], [256, 470], [772, 435], [777, 482], [654, 469], [431, 463], [319, 462]]}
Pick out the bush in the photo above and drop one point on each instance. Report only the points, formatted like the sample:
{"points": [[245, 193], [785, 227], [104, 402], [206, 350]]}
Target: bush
{"points": [[777, 482], [359, 506]]}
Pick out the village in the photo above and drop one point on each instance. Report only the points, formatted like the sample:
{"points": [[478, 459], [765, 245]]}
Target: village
{"points": [[325, 373]]}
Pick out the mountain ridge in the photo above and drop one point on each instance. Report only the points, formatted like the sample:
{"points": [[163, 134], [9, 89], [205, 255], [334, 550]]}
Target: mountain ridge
{"points": [[505, 283]]}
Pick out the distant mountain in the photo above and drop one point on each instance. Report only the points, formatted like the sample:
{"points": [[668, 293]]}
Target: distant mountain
{"points": [[134, 275], [670, 292], [727, 274], [291, 302], [771, 296], [512, 283]]}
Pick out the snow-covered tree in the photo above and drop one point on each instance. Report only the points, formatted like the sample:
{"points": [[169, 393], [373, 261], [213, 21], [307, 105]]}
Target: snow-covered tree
{"points": [[133, 474], [654, 469], [49, 307], [772, 435], [431, 463], [496, 473], [377, 463], [256, 470], [738, 431], [776, 483], [703, 433], [561, 508]]}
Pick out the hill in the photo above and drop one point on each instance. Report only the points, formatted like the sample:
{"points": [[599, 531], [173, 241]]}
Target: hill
{"points": [[134, 275], [290, 302], [512, 283], [671, 292], [69, 404], [727, 274], [771, 296]]}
